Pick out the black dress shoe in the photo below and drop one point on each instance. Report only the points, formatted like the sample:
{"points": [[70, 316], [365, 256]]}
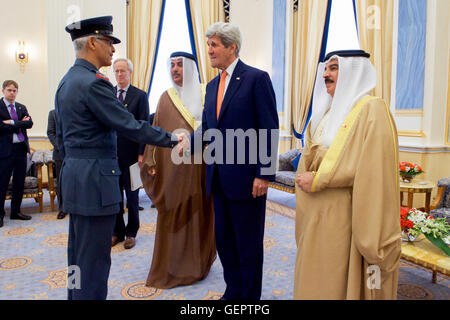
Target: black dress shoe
{"points": [[19, 216], [1, 222], [61, 215], [115, 240], [130, 242], [141, 208]]}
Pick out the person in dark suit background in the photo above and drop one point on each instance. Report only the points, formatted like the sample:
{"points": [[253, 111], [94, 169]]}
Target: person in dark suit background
{"points": [[129, 152], [51, 134], [14, 146], [242, 99], [88, 115]]}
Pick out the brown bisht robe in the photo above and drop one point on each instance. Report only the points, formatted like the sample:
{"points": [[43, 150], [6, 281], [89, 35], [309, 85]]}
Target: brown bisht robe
{"points": [[351, 219], [184, 247]]}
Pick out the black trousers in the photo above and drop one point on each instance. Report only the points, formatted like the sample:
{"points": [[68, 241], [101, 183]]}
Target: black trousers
{"points": [[15, 165], [89, 252], [130, 230], [239, 229], [58, 165]]}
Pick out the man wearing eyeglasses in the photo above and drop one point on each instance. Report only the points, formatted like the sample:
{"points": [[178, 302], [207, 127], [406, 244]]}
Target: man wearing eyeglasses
{"points": [[88, 114], [135, 101]]}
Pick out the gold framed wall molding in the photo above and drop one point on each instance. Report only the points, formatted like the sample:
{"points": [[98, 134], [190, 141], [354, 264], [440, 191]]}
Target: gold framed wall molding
{"points": [[417, 149], [411, 133], [409, 113]]}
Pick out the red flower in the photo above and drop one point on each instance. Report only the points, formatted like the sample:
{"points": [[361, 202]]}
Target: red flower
{"points": [[409, 224], [402, 168], [406, 224], [430, 218], [404, 212]]}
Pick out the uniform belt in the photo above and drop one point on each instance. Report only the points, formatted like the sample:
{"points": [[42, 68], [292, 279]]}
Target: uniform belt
{"points": [[90, 153]]}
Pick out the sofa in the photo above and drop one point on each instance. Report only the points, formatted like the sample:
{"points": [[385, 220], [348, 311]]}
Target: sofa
{"points": [[441, 206], [285, 175]]}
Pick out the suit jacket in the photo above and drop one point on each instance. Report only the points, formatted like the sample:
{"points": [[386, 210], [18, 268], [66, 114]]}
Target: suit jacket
{"points": [[136, 102], [88, 114], [51, 134], [249, 103], [7, 130]]}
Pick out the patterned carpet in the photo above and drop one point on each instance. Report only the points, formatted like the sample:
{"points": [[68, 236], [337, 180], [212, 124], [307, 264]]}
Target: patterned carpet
{"points": [[33, 262]]}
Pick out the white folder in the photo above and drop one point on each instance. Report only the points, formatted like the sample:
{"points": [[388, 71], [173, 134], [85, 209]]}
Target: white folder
{"points": [[135, 177]]}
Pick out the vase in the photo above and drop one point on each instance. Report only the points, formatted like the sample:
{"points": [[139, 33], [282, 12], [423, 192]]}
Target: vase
{"points": [[408, 237], [407, 177]]}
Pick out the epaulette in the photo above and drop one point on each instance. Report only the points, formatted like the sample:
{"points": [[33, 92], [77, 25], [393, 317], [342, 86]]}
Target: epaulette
{"points": [[101, 76]]}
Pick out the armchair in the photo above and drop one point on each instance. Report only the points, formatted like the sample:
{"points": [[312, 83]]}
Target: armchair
{"points": [[440, 208], [33, 179], [285, 175]]}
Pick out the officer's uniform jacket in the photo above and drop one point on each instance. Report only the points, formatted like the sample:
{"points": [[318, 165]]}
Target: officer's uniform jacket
{"points": [[88, 114]]}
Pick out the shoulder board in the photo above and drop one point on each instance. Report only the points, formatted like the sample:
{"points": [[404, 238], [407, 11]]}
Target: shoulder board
{"points": [[103, 77]]}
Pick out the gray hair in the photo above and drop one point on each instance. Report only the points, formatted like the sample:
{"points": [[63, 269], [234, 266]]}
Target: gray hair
{"points": [[128, 61], [80, 45], [228, 33]]}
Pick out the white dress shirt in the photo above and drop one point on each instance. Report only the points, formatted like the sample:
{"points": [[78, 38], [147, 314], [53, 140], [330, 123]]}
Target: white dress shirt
{"points": [[229, 71], [7, 103], [125, 90]]}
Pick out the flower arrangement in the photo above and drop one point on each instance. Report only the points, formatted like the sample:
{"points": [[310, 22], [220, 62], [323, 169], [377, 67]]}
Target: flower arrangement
{"points": [[415, 222], [408, 170]]}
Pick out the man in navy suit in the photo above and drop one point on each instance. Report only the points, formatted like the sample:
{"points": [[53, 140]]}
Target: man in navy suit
{"points": [[14, 146], [129, 152], [241, 100]]}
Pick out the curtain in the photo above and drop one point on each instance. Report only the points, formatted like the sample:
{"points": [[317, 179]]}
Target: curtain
{"points": [[204, 13], [375, 25], [143, 18], [308, 26]]}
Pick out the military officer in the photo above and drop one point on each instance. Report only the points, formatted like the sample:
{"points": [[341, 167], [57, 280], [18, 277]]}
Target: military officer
{"points": [[88, 115]]}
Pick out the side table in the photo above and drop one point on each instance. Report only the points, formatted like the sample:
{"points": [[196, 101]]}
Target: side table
{"points": [[422, 252], [417, 187]]}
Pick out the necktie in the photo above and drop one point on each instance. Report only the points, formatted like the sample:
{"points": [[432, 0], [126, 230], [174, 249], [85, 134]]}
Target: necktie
{"points": [[221, 91], [121, 91], [16, 118]]}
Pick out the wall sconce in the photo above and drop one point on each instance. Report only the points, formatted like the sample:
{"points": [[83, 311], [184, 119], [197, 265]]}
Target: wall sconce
{"points": [[21, 56]]}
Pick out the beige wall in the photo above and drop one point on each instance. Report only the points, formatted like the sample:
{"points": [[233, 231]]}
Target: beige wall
{"points": [[40, 23], [255, 20], [27, 22]]}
